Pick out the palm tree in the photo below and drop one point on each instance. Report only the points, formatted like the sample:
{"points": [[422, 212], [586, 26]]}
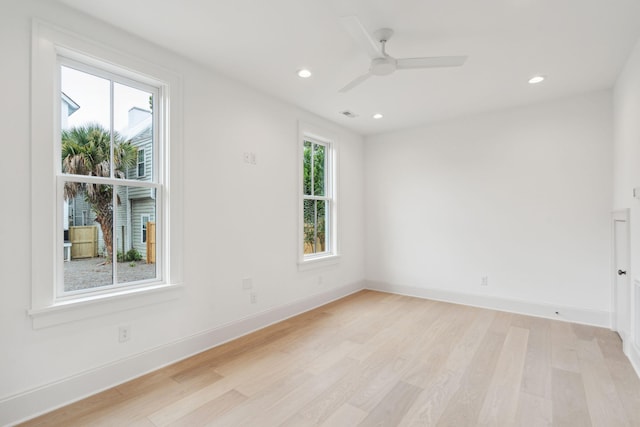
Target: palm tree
{"points": [[86, 151]]}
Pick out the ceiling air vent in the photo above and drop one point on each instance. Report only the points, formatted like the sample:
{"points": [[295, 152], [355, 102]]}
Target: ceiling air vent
{"points": [[349, 114]]}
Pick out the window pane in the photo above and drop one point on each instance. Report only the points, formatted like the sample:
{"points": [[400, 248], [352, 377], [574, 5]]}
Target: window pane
{"points": [[85, 122], [136, 214], [321, 226], [134, 123], [318, 170], [86, 236], [306, 163], [309, 226], [315, 226]]}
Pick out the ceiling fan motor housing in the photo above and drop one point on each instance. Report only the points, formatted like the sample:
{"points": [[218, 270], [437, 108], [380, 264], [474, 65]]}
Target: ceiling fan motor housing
{"points": [[382, 66]]}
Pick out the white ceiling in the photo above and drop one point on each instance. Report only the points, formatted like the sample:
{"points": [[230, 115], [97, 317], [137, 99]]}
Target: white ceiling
{"points": [[581, 45]]}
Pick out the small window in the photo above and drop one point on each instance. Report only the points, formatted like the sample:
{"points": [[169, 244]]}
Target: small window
{"points": [[140, 162], [318, 204]]}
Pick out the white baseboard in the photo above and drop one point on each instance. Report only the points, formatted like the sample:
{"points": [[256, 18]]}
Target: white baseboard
{"points": [[23, 406], [633, 354], [529, 308]]}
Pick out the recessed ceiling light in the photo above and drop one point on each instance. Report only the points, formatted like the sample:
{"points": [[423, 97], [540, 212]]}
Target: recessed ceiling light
{"points": [[536, 79], [377, 116], [304, 73]]}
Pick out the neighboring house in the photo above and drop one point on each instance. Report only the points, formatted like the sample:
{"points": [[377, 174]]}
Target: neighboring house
{"points": [[68, 107], [137, 207]]}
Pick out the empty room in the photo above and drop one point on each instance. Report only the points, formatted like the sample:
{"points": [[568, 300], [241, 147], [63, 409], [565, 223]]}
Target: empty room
{"points": [[320, 213]]}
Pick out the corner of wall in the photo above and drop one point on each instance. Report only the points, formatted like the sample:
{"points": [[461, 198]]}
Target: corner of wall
{"points": [[530, 308]]}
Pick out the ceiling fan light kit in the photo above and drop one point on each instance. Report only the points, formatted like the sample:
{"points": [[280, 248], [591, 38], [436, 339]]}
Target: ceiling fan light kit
{"points": [[382, 64]]}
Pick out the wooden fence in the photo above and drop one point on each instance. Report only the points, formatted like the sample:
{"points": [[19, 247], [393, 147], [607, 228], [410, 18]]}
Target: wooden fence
{"points": [[84, 241], [151, 242]]}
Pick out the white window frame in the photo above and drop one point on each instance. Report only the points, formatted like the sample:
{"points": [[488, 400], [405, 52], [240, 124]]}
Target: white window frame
{"points": [[47, 308], [319, 135], [155, 184]]}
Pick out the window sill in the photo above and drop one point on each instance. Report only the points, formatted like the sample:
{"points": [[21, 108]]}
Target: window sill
{"points": [[99, 305], [318, 262]]}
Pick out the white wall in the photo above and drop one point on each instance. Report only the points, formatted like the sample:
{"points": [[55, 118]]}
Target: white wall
{"points": [[626, 98], [522, 196], [240, 221]]}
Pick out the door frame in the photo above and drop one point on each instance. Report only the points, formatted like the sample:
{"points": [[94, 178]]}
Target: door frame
{"points": [[618, 215]]}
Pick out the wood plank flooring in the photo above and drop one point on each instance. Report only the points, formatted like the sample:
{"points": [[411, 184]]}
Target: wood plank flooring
{"points": [[376, 359]]}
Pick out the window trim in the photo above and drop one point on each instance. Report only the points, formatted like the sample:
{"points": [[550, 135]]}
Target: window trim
{"points": [[48, 43], [316, 134]]}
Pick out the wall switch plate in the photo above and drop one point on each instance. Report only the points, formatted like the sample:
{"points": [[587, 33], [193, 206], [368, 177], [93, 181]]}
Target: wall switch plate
{"points": [[485, 281], [247, 283]]}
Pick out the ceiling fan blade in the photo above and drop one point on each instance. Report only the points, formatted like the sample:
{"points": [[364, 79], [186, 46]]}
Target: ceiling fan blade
{"points": [[355, 82], [361, 36], [431, 62]]}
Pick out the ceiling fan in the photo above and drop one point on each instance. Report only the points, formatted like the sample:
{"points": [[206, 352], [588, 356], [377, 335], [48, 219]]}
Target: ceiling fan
{"points": [[381, 63]]}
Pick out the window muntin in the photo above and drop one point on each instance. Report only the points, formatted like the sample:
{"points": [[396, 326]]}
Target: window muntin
{"points": [[316, 199], [100, 152]]}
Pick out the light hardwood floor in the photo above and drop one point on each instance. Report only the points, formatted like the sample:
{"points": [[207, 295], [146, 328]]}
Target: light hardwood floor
{"points": [[376, 359]]}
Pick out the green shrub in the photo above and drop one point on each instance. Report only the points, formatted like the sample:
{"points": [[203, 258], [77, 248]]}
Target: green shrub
{"points": [[133, 255]]}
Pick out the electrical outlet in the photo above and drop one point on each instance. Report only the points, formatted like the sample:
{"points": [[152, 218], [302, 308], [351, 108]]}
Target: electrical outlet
{"points": [[485, 281], [320, 280], [124, 333], [247, 283], [254, 298]]}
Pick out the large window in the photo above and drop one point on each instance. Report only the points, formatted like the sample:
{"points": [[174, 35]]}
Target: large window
{"points": [[105, 133], [318, 210], [105, 159]]}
